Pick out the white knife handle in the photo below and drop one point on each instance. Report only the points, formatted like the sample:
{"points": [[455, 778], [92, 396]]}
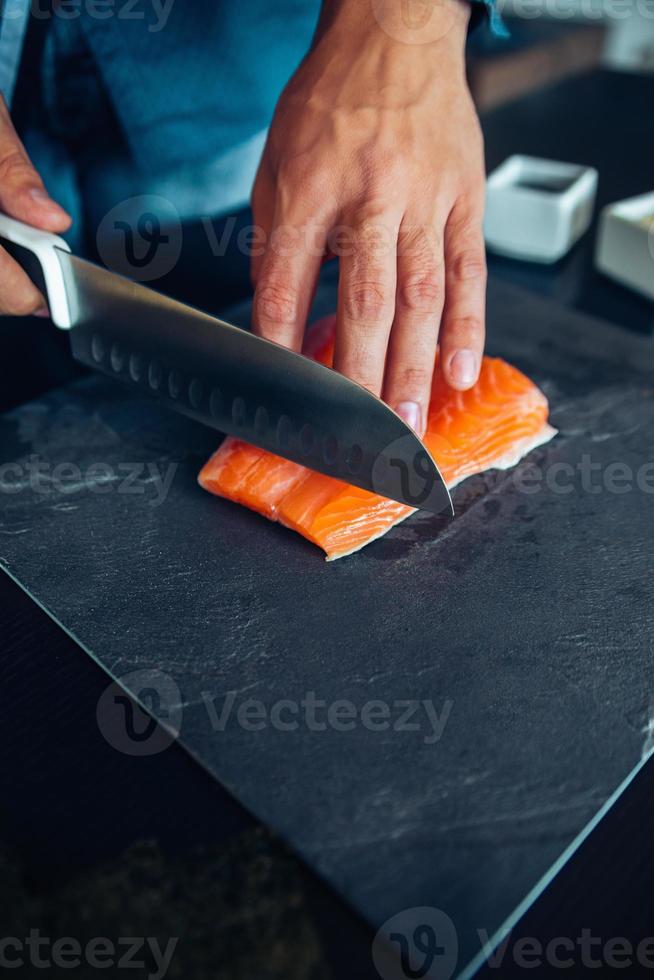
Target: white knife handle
{"points": [[32, 243]]}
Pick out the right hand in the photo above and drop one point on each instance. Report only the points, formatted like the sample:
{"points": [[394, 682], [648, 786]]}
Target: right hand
{"points": [[22, 196], [375, 153]]}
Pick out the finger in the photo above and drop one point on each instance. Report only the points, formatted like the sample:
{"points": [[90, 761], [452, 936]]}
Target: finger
{"points": [[22, 194], [464, 317], [286, 281], [418, 307], [366, 298], [18, 295], [263, 211]]}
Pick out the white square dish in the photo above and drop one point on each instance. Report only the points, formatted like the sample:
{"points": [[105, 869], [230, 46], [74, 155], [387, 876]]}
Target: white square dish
{"points": [[537, 209], [625, 243]]}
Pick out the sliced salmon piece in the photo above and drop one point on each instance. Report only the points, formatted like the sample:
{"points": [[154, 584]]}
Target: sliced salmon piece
{"points": [[227, 469], [490, 426], [350, 519], [319, 341], [278, 475]]}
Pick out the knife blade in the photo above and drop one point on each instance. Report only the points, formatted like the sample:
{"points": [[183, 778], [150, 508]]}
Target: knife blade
{"points": [[227, 378]]}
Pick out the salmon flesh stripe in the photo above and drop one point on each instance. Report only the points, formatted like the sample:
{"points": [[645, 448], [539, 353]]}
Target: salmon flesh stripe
{"points": [[490, 426]]}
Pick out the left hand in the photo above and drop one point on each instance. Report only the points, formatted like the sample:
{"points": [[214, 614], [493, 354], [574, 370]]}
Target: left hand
{"points": [[375, 154]]}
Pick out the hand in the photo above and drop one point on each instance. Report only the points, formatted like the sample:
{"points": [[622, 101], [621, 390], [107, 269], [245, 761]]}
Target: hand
{"points": [[22, 196], [375, 154]]}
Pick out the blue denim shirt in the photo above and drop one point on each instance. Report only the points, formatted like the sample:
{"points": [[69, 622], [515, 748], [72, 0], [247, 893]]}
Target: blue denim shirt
{"points": [[206, 78], [203, 81], [193, 86]]}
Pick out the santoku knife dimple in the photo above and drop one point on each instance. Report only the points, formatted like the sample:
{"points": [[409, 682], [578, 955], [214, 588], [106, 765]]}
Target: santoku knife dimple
{"points": [[226, 377]]}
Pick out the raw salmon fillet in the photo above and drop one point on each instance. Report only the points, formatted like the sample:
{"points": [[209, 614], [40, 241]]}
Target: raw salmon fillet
{"points": [[491, 426]]}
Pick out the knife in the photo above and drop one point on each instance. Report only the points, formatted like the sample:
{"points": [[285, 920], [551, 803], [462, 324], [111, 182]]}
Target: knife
{"points": [[226, 377]]}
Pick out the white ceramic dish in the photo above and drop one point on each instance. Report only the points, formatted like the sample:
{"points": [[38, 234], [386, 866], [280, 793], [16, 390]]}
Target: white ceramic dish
{"points": [[625, 243], [537, 209]]}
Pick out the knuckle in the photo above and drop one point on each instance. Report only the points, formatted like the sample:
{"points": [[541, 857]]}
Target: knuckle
{"points": [[299, 178], [467, 216], [470, 203], [373, 238], [383, 163], [366, 300], [467, 325], [422, 244], [276, 301], [310, 182], [414, 379], [379, 174], [14, 167], [372, 206], [421, 293], [468, 264], [366, 380]]}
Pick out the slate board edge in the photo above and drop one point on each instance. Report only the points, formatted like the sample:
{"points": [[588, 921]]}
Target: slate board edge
{"points": [[503, 930], [532, 896], [175, 736]]}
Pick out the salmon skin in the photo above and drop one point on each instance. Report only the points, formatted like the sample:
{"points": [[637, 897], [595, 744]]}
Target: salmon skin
{"points": [[490, 426]]}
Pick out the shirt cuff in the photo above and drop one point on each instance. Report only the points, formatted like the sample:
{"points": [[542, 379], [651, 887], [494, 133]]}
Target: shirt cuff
{"points": [[486, 11]]}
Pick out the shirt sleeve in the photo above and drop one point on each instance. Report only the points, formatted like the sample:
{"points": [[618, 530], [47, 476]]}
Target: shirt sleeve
{"points": [[485, 11], [13, 27]]}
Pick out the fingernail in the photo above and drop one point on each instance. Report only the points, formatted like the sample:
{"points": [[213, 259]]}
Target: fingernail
{"points": [[410, 412], [42, 311], [463, 367], [40, 196], [43, 199]]}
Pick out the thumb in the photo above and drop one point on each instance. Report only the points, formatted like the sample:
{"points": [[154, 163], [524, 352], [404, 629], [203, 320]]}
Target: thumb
{"points": [[22, 194]]}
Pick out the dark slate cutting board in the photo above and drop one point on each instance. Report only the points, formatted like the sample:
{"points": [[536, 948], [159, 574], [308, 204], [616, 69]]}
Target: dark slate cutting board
{"points": [[529, 619]]}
